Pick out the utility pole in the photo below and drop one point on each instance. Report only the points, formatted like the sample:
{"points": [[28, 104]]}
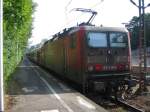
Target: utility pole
{"points": [[142, 45], [1, 63]]}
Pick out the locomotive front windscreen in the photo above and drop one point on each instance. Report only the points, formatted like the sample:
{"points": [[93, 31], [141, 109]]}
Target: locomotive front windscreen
{"points": [[105, 39], [97, 39], [118, 39]]}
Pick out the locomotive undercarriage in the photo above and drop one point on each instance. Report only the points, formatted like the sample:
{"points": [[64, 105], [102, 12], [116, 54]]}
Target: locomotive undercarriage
{"points": [[118, 86]]}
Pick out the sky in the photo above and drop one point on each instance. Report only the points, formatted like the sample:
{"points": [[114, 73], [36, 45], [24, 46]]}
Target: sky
{"points": [[52, 16]]}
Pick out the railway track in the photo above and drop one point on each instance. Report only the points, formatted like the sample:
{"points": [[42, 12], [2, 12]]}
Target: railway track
{"points": [[129, 106], [113, 105]]}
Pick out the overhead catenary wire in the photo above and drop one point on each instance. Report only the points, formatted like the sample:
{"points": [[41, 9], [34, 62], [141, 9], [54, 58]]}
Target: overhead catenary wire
{"points": [[68, 4], [66, 8]]}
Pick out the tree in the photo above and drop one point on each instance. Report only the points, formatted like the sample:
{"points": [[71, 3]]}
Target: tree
{"points": [[133, 27], [17, 26]]}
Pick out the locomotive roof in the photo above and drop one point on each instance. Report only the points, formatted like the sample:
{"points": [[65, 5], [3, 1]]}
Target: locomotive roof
{"points": [[101, 28], [98, 28]]}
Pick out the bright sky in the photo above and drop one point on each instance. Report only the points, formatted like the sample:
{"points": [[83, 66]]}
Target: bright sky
{"points": [[51, 17]]}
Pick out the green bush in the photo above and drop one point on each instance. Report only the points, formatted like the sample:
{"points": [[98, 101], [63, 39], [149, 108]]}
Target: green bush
{"points": [[17, 26]]}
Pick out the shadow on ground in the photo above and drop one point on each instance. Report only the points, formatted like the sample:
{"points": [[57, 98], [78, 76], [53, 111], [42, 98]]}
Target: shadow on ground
{"points": [[25, 81]]}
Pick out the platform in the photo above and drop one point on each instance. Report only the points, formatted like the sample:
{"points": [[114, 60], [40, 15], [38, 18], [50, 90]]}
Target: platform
{"points": [[42, 92]]}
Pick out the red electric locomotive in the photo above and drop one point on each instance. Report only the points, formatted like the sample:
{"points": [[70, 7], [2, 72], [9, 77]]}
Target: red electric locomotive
{"points": [[95, 57]]}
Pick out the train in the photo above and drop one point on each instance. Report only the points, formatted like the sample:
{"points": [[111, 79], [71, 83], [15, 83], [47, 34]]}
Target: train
{"points": [[95, 57]]}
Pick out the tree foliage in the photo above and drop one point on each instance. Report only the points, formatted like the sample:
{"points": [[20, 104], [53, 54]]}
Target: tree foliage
{"points": [[17, 26], [133, 27]]}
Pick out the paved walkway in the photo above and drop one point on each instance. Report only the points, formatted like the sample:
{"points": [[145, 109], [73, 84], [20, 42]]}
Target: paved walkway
{"points": [[41, 92]]}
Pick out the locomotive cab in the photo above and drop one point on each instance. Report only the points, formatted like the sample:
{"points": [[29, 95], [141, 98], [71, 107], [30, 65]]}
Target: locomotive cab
{"points": [[107, 55]]}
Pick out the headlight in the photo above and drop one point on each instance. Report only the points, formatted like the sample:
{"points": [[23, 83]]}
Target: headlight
{"points": [[90, 68]]}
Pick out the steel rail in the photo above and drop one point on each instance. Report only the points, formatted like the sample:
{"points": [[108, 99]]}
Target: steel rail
{"points": [[129, 106]]}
